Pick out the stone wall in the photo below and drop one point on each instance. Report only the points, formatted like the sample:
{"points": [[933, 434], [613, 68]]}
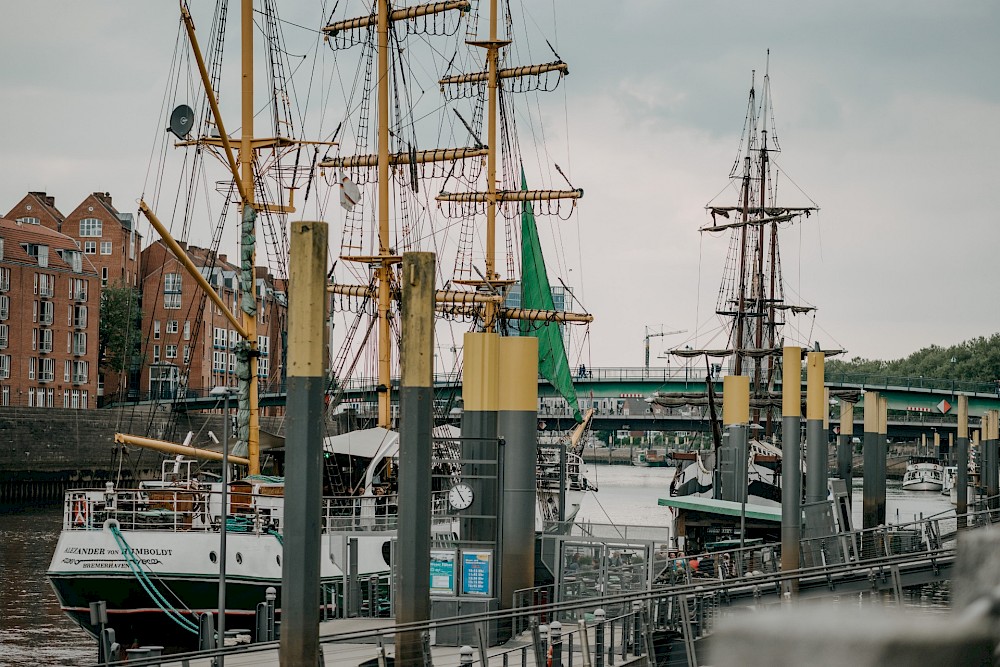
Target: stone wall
{"points": [[44, 451]]}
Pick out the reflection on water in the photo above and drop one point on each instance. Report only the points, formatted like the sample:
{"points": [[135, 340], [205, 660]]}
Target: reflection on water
{"points": [[33, 631]]}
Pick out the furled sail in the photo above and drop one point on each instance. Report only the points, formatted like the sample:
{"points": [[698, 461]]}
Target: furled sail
{"points": [[536, 293]]}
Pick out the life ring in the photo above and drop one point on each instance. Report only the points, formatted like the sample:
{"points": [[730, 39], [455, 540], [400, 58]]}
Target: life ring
{"points": [[81, 512]]}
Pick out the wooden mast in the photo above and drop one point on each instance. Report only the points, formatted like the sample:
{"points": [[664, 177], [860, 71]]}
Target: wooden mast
{"points": [[384, 267]]}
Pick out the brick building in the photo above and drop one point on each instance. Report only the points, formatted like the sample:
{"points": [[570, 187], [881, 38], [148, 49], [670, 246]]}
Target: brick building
{"points": [[49, 308], [108, 238], [188, 342], [37, 208]]}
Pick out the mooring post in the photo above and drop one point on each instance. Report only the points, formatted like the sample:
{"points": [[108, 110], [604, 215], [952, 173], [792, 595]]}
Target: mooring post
{"points": [[465, 655], [481, 399], [600, 617], [416, 415], [817, 454], [300, 577], [845, 448], [883, 458], [962, 461], [555, 634], [870, 469], [791, 461]]}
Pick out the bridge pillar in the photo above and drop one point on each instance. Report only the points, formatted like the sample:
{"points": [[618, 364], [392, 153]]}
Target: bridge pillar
{"points": [[883, 454]]}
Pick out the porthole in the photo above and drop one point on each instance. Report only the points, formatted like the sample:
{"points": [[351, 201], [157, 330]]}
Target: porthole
{"points": [[278, 559], [212, 556], [239, 558], [90, 209]]}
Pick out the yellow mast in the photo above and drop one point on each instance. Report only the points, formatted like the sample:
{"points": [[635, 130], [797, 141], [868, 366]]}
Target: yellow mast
{"points": [[384, 267], [246, 176]]}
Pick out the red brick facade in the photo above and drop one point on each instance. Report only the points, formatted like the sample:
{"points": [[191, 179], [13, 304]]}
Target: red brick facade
{"points": [[49, 312], [188, 342]]}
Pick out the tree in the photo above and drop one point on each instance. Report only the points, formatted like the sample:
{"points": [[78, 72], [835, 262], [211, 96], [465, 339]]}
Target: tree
{"points": [[121, 324]]}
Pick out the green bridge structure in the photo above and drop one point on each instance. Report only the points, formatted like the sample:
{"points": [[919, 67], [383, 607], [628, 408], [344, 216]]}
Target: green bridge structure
{"points": [[917, 405]]}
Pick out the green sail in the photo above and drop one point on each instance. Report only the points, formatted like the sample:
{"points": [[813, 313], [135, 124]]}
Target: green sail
{"points": [[536, 293]]}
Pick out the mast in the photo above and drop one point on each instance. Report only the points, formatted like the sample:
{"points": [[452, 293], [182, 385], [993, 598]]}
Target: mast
{"points": [[248, 253], [385, 262]]}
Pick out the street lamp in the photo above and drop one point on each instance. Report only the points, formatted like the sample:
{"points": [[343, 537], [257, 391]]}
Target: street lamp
{"points": [[224, 393]]}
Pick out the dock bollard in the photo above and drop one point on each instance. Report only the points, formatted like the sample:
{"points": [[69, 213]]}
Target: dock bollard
{"points": [[465, 655], [543, 631], [636, 628], [600, 616], [555, 631]]}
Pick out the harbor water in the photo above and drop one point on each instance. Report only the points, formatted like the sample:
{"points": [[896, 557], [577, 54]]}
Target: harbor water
{"points": [[33, 631]]}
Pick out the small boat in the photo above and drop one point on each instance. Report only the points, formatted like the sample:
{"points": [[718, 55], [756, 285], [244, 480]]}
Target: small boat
{"points": [[950, 487], [923, 473], [650, 458]]}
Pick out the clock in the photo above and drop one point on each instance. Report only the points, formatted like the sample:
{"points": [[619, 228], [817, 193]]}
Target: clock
{"points": [[460, 496]]}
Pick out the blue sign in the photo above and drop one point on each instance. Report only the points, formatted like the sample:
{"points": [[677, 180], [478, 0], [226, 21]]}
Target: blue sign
{"points": [[442, 571], [476, 578]]}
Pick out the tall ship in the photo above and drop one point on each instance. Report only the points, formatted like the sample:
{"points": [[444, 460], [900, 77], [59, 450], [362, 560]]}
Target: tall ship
{"points": [[752, 307], [152, 553]]}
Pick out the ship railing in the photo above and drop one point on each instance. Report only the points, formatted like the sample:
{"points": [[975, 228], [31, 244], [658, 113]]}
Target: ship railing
{"points": [[374, 513]]}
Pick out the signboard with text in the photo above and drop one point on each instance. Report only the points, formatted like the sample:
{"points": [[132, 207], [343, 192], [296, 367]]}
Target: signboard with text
{"points": [[476, 574], [442, 572]]}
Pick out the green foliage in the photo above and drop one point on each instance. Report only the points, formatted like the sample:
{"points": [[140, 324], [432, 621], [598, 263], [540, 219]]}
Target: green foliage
{"points": [[121, 324], [976, 360]]}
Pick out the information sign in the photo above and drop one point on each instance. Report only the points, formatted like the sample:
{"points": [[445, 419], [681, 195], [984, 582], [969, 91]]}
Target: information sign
{"points": [[442, 571], [476, 577]]}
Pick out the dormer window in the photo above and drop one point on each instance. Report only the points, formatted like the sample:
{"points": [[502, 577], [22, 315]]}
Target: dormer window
{"points": [[38, 251]]}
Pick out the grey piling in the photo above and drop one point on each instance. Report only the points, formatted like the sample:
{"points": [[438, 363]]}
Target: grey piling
{"points": [[870, 465], [300, 576], [480, 398], [962, 461], [845, 448], [555, 635], [791, 460], [416, 414], [817, 454], [518, 423], [883, 455]]}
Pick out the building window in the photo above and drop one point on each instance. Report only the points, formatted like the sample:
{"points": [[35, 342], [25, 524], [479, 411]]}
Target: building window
{"points": [[5, 395], [46, 312], [32, 365], [84, 399], [232, 363], [74, 259], [105, 247], [4, 336], [171, 352], [45, 340], [81, 369], [4, 367], [171, 326], [172, 283], [80, 317], [156, 354], [45, 284], [104, 276], [172, 301], [29, 220], [187, 330], [91, 227], [31, 398], [4, 279], [50, 395], [90, 247], [262, 367], [264, 344], [80, 343], [67, 371], [75, 399], [46, 370], [219, 338], [4, 306], [156, 329], [219, 362], [233, 338], [78, 289], [187, 354]]}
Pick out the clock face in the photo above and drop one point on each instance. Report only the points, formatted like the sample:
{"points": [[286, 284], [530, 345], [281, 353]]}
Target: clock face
{"points": [[460, 496]]}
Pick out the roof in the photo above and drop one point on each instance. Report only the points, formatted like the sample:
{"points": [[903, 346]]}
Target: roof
{"points": [[365, 442], [723, 507], [16, 233]]}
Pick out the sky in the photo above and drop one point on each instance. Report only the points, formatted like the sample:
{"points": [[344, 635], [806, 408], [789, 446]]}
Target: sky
{"points": [[887, 115]]}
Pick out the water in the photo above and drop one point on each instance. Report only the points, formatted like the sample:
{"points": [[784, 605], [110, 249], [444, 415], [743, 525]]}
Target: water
{"points": [[33, 631]]}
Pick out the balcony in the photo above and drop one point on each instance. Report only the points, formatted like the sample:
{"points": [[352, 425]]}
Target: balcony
{"points": [[79, 379], [80, 296], [45, 346], [4, 313], [79, 351]]}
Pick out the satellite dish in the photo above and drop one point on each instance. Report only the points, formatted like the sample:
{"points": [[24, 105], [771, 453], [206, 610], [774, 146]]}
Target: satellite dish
{"points": [[181, 120]]}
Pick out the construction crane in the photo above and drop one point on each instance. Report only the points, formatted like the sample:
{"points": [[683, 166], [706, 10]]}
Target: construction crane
{"points": [[658, 334]]}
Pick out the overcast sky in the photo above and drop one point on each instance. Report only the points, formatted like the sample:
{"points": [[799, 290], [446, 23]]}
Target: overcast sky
{"points": [[888, 115]]}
